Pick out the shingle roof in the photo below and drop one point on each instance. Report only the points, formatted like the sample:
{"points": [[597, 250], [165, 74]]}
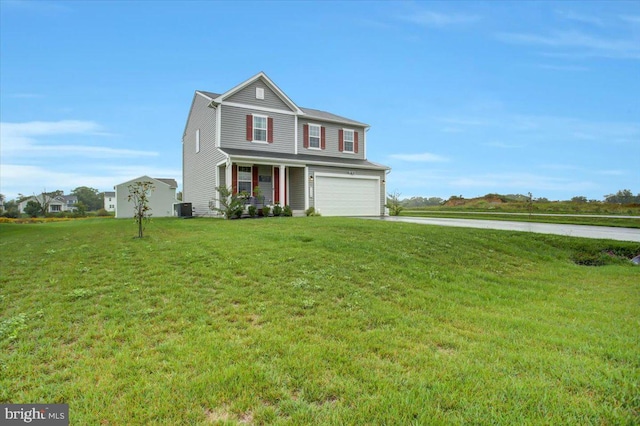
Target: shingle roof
{"points": [[309, 112], [323, 115], [171, 182], [209, 94], [303, 158]]}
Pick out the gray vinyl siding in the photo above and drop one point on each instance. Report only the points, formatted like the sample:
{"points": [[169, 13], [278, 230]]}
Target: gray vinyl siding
{"points": [[266, 187], [233, 131], [296, 188], [248, 96], [344, 171], [199, 169], [331, 140]]}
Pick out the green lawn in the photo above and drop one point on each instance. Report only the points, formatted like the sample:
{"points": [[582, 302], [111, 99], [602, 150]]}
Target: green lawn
{"points": [[624, 222], [317, 321]]}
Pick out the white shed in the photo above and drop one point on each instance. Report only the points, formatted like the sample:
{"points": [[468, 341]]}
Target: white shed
{"points": [[161, 199]]}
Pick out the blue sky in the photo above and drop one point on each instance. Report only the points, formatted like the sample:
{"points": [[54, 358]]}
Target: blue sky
{"points": [[463, 98]]}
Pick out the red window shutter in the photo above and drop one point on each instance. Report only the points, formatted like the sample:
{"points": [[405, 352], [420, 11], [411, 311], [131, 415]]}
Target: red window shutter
{"points": [[255, 178], [323, 139], [249, 127], [340, 140], [305, 136], [234, 179], [355, 141], [270, 130]]}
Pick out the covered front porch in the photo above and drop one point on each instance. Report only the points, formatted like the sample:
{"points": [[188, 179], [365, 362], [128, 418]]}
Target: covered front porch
{"points": [[266, 184]]}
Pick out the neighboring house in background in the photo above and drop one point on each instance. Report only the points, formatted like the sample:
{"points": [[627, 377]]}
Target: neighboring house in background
{"points": [[57, 204], [255, 136], [110, 201], [161, 199]]}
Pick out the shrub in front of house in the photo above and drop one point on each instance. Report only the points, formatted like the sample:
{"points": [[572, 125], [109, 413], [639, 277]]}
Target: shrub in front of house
{"points": [[287, 211], [277, 210]]}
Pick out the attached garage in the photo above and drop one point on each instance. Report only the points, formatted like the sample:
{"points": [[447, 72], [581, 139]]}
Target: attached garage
{"points": [[353, 195]]}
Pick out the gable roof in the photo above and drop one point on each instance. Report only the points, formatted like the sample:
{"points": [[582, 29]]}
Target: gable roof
{"points": [[171, 183], [260, 76], [217, 98]]}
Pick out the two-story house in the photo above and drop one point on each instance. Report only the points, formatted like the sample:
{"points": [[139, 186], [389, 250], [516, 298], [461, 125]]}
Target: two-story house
{"points": [[253, 135]]}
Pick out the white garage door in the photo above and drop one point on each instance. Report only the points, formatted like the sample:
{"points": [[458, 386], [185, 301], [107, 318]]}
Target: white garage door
{"points": [[347, 196]]}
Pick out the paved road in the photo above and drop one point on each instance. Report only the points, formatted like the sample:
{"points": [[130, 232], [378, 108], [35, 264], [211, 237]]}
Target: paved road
{"points": [[608, 216], [585, 231]]}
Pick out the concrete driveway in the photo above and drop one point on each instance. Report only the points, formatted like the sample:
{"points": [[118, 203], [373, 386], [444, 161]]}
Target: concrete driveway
{"points": [[584, 231]]}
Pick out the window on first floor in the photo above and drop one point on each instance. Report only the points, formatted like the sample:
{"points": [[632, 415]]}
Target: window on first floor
{"points": [[54, 208], [244, 179]]}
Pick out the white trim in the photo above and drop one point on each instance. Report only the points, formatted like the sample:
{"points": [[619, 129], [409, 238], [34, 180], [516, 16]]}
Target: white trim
{"points": [[319, 147], [302, 163], [216, 200], [197, 141], [204, 96], [282, 178], [306, 188], [364, 143], [344, 141], [266, 128], [218, 125], [270, 83], [295, 134], [250, 167], [340, 175], [348, 176], [287, 198], [257, 108]]}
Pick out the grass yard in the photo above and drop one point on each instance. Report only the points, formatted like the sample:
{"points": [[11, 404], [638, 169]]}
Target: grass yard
{"points": [[317, 321], [624, 222]]}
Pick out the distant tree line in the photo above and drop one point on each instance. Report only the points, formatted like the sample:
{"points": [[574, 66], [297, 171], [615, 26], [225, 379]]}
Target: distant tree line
{"points": [[624, 196], [89, 200]]}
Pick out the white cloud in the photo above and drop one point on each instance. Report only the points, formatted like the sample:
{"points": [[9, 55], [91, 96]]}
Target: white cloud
{"points": [[578, 43], [439, 20], [496, 144], [424, 157], [577, 17], [27, 140]]}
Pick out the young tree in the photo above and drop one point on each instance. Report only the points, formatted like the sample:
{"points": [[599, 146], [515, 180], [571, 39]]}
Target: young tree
{"points": [[230, 204], [393, 204], [139, 195]]}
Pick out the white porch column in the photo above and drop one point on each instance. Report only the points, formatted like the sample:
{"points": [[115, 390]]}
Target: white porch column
{"points": [[282, 177]]}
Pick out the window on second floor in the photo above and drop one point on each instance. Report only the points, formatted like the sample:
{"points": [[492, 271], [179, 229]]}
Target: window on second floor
{"points": [[259, 128], [314, 136], [348, 141]]}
